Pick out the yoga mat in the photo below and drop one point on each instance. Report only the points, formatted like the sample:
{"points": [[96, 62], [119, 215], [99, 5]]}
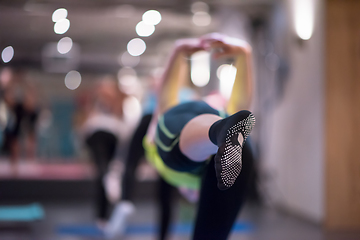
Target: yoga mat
{"points": [[90, 230], [22, 213]]}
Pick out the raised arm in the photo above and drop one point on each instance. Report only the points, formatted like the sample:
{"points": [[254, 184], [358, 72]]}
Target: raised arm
{"points": [[176, 72], [241, 96], [174, 76]]}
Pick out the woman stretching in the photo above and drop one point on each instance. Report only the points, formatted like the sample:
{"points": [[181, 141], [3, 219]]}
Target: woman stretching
{"points": [[195, 146]]}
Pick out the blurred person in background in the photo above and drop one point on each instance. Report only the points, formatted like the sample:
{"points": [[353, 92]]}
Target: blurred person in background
{"points": [[185, 141], [102, 127], [165, 192], [135, 154], [21, 97]]}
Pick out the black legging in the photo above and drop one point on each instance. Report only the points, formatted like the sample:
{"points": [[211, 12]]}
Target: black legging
{"points": [[102, 146], [217, 210], [165, 191], [212, 221], [166, 198], [135, 154]]}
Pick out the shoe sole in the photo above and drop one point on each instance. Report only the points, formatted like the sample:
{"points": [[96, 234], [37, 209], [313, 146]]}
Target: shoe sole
{"points": [[228, 159]]}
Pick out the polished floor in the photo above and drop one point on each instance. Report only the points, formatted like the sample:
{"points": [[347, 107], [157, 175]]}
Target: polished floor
{"points": [[74, 221]]}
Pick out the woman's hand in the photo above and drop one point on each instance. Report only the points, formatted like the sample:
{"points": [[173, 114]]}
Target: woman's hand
{"points": [[224, 46], [189, 46]]}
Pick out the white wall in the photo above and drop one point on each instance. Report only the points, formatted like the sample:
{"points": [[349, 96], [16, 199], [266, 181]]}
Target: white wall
{"points": [[295, 152]]}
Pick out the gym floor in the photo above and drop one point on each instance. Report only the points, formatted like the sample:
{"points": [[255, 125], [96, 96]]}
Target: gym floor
{"points": [[75, 221], [68, 207]]}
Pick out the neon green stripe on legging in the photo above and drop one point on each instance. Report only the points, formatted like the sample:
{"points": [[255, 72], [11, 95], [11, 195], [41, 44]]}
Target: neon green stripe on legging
{"points": [[163, 147], [164, 129]]}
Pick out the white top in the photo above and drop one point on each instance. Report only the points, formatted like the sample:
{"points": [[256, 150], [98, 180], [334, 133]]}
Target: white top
{"points": [[99, 121]]}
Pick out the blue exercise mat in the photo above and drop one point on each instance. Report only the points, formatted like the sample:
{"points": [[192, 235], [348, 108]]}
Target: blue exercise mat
{"points": [[21, 213], [90, 230]]}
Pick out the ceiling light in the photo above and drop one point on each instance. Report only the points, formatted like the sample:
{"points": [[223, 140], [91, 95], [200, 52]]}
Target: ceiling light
{"points": [[7, 54], [200, 68], [62, 26], [72, 80], [59, 14], [152, 17], [304, 18], [144, 30], [226, 74], [64, 45], [128, 60], [136, 47], [201, 19]]}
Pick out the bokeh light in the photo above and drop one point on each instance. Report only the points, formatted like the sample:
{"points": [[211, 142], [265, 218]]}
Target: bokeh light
{"points": [[128, 80], [199, 7], [200, 68], [62, 26], [64, 45], [128, 60], [7, 54], [144, 30], [126, 71], [152, 17], [201, 19], [304, 18], [226, 74], [59, 14], [132, 108], [72, 80], [136, 47]]}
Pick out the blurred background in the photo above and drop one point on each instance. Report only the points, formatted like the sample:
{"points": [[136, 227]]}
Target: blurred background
{"points": [[62, 61]]}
